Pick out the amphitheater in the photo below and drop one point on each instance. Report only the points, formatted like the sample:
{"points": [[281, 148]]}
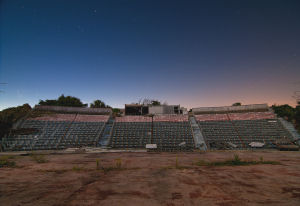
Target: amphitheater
{"points": [[91, 156], [249, 127]]}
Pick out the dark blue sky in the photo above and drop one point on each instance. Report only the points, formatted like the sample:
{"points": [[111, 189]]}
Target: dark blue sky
{"points": [[195, 53]]}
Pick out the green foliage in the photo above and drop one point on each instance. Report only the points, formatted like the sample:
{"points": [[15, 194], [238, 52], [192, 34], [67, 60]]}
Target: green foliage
{"points": [[237, 104], [38, 158], [116, 110], [67, 101], [297, 116], [77, 168], [98, 166], [5, 161], [148, 101], [108, 169], [99, 104], [11, 115], [288, 112], [236, 161], [155, 103], [118, 163], [285, 111], [261, 159]]}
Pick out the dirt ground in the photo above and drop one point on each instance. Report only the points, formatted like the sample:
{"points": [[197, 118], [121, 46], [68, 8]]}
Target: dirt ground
{"points": [[151, 179]]}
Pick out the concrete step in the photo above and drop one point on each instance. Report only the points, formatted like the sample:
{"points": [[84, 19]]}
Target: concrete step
{"points": [[291, 129], [198, 137], [105, 137]]}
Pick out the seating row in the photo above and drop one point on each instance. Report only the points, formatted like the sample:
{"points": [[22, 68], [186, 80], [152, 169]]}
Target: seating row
{"points": [[167, 135], [55, 135], [235, 116], [72, 118], [241, 133]]}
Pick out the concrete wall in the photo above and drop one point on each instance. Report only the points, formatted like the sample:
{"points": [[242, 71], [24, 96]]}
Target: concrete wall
{"points": [[162, 109], [156, 110], [225, 109]]}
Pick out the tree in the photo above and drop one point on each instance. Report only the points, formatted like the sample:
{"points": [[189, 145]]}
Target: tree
{"points": [[11, 115], [67, 101], [285, 111], [155, 102], [237, 104], [99, 104], [148, 101], [297, 116]]}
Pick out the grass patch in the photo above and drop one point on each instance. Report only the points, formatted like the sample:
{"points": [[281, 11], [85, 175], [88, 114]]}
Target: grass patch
{"points": [[7, 157], [38, 158], [236, 161], [118, 163], [98, 164], [77, 168], [5, 161]]}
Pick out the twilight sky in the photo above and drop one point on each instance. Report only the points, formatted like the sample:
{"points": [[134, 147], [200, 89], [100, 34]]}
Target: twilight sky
{"points": [[193, 53]]}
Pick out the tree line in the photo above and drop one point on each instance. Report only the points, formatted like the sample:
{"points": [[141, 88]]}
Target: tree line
{"points": [[291, 114], [69, 101]]}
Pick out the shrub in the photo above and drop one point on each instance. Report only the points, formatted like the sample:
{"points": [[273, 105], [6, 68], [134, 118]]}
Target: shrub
{"points": [[98, 166], [118, 163], [6, 162], [77, 168], [39, 158], [236, 161]]}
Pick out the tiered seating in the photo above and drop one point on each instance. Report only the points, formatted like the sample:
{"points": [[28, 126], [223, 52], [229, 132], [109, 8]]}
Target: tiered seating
{"points": [[168, 132], [218, 132], [267, 131], [91, 118], [241, 129], [211, 117], [58, 131], [48, 136], [133, 119], [251, 116], [170, 135], [84, 131], [56, 117], [131, 132], [171, 118]]}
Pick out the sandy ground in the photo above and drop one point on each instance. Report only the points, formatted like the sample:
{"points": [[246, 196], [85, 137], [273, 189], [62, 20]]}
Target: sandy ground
{"points": [[151, 179]]}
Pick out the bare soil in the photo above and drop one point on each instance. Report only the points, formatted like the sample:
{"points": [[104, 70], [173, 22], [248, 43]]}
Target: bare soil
{"points": [[151, 179]]}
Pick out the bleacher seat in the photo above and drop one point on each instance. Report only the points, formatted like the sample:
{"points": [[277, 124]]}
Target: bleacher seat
{"points": [[241, 129], [169, 131], [58, 131]]}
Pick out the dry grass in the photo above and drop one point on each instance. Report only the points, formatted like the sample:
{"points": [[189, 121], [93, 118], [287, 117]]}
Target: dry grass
{"points": [[236, 161]]}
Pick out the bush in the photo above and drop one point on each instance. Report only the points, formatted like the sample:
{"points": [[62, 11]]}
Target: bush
{"points": [[11, 115], [6, 162], [38, 158], [236, 161], [98, 165], [118, 163], [77, 168]]}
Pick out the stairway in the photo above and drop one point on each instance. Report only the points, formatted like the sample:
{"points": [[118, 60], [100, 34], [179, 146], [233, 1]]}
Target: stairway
{"points": [[198, 137], [291, 129], [106, 135]]}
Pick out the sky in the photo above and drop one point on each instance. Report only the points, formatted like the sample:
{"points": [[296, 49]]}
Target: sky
{"points": [[192, 53]]}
